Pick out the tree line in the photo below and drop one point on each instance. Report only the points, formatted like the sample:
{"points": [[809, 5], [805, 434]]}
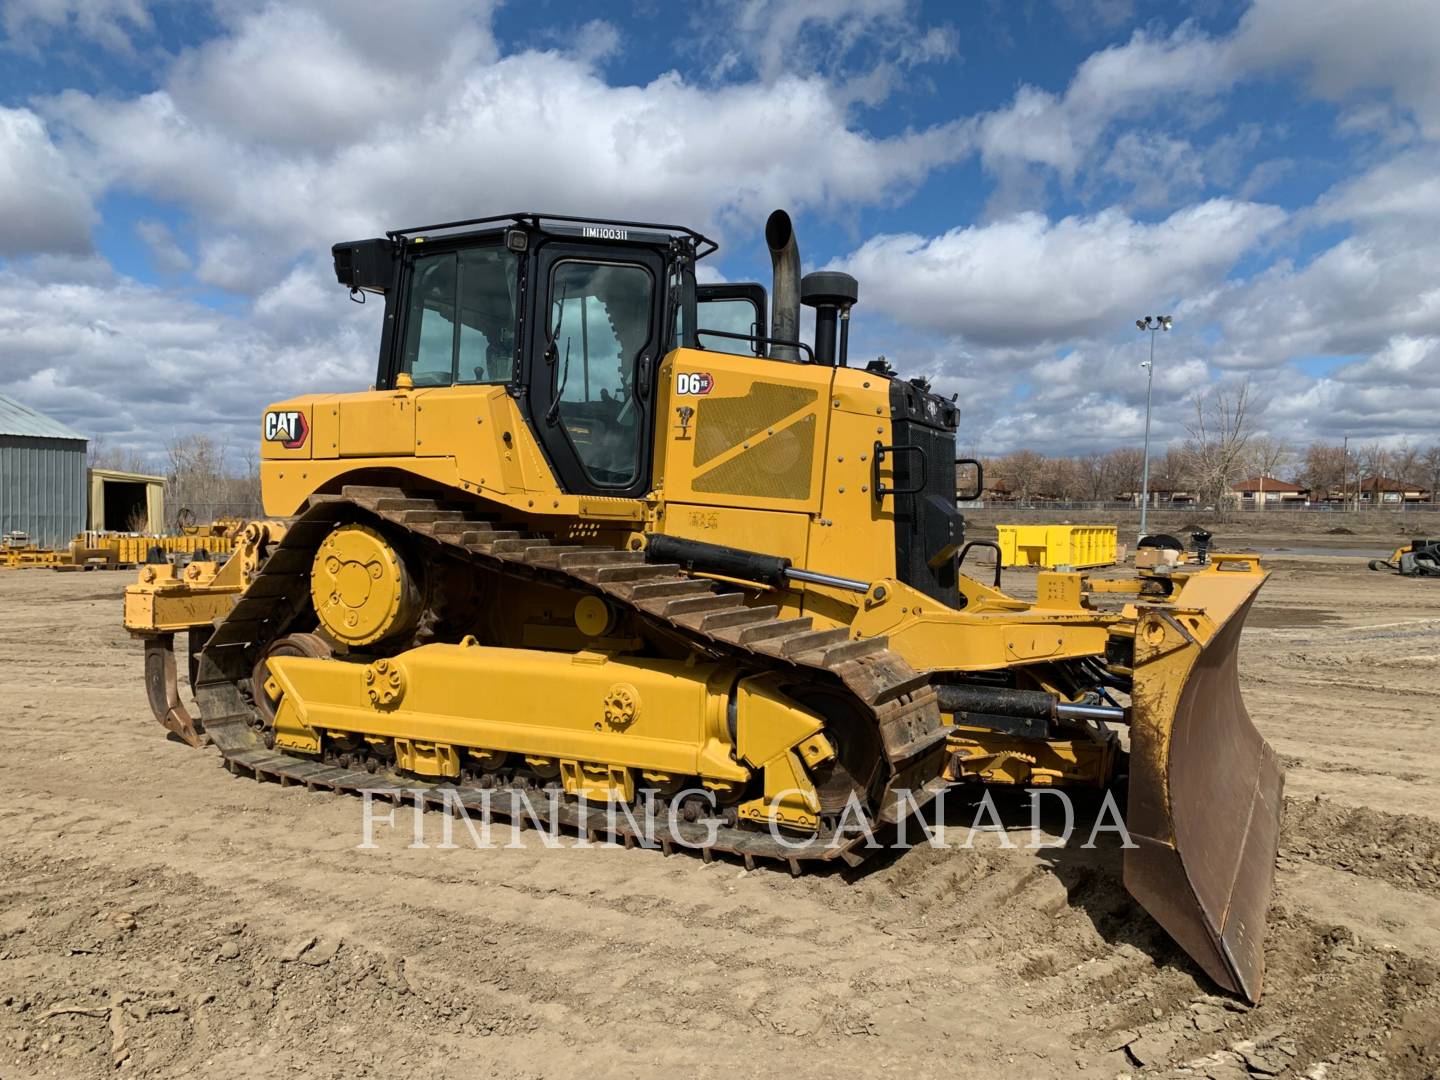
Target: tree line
{"points": [[1222, 449]]}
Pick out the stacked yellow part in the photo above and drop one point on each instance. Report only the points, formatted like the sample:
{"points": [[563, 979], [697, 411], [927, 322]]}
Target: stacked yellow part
{"points": [[1071, 547], [113, 550]]}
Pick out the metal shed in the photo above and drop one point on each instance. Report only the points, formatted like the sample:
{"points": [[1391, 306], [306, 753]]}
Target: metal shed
{"points": [[42, 476], [126, 501]]}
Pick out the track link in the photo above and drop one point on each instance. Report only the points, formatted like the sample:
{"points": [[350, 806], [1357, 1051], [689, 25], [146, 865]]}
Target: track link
{"points": [[900, 700]]}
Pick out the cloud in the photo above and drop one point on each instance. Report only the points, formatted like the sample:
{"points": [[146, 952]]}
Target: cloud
{"points": [[1063, 131], [139, 364], [1389, 397], [853, 40], [1026, 280], [112, 24], [166, 255], [43, 204], [1346, 50], [291, 132]]}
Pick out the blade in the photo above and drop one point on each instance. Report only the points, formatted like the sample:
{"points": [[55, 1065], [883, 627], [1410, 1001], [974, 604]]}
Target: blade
{"points": [[1205, 787]]}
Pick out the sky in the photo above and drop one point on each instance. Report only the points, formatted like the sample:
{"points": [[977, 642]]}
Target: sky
{"points": [[1013, 182]]}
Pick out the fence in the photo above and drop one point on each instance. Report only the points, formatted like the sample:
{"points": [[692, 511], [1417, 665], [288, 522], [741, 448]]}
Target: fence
{"points": [[1120, 507]]}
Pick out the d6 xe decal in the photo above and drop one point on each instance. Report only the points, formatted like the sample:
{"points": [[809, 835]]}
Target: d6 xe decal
{"points": [[693, 382]]}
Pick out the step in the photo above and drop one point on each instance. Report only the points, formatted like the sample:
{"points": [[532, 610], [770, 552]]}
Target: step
{"points": [[430, 516], [397, 505], [517, 546], [369, 493], [482, 541], [458, 526]]}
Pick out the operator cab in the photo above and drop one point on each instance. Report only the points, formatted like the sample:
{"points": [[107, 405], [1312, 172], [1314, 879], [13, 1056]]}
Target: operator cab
{"points": [[572, 316]]}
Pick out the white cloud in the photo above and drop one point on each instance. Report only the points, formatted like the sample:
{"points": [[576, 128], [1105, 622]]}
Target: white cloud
{"points": [[780, 38], [1027, 280], [31, 24], [1062, 132], [1346, 49], [43, 204], [290, 133], [305, 123], [139, 364], [166, 255], [1389, 397]]}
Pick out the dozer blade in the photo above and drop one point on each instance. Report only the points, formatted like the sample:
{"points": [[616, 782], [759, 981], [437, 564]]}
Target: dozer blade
{"points": [[1205, 786]]}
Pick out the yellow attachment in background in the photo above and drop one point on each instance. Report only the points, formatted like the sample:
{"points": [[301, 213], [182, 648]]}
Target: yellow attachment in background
{"points": [[1055, 546], [360, 586]]}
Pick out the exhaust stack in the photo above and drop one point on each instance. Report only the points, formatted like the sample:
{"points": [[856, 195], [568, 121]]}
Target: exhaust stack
{"points": [[785, 287]]}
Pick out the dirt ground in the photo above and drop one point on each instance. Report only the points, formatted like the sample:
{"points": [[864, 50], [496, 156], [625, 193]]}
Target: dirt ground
{"points": [[161, 918]]}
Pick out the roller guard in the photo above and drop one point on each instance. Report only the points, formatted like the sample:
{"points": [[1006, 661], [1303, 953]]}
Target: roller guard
{"points": [[1205, 787]]}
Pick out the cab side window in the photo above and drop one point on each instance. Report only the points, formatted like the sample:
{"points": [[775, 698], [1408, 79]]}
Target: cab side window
{"points": [[460, 324]]}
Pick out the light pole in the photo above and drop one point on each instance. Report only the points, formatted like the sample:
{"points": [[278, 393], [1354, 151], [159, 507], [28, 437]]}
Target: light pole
{"points": [[1151, 323]]}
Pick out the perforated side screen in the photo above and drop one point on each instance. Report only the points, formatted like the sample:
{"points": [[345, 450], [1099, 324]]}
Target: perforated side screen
{"points": [[721, 423], [778, 467]]}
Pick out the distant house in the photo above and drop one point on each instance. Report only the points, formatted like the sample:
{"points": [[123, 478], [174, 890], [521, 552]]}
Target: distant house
{"points": [[1268, 491], [1382, 491]]}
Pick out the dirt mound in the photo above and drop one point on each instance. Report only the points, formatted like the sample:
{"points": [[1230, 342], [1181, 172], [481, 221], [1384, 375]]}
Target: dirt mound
{"points": [[1400, 849], [1340, 530]]}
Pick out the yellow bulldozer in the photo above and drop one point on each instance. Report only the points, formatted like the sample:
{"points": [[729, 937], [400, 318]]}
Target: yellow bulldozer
{"points": [[600, 533]]}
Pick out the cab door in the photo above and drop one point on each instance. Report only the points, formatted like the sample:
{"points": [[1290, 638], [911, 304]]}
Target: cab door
{"points": [[596, 346]]}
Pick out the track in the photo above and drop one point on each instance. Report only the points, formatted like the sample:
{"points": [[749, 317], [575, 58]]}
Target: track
{"points": [[881, 683]]}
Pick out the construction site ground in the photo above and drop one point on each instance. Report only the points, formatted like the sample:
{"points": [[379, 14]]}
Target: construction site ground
{"points": [[162, 918]]}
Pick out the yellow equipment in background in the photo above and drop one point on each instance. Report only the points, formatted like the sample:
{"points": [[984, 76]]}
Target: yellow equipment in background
{"points": [[1057, 547], [600, 536], [111, 551]]}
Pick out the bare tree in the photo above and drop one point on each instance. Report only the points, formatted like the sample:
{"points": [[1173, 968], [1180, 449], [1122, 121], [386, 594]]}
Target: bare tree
{"points": [[1430, 462], [1123, 467], [1023, 472], [1091, 470], [100, 455], [1268, 456], [200, 480], [1405, 463], [1220, 433], [1324, 469], [1374, 462]]}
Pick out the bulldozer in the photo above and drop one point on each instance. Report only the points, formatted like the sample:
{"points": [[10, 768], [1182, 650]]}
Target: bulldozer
{"points": [[601, 532]]}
